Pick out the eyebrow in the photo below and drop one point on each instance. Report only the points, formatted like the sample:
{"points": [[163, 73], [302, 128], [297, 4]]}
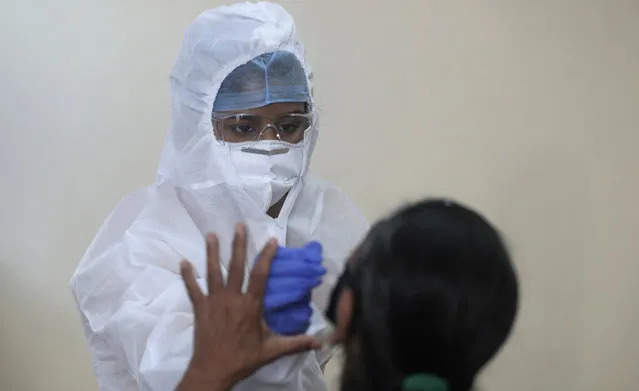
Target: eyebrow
{"points": [[299, 111], [243, 116], [246, 116]]}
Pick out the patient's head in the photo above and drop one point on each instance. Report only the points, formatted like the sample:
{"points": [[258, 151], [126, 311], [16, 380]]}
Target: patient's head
{"points": [[429, 297]]}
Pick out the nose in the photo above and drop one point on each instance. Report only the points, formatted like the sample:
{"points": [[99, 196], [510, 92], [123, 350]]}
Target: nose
{"points": [[269, 133]]}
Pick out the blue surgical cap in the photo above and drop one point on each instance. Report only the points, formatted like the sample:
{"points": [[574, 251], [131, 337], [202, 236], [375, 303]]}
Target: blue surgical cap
{"points": [[276, 77]]}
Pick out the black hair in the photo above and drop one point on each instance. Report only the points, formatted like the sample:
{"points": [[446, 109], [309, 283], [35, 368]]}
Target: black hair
{"points": [[435, 292]]}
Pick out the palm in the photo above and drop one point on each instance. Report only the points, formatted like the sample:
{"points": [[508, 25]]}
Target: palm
{"points": [[232, 340]]}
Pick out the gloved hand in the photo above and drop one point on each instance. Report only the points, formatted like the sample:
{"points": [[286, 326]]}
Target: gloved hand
{"points": [[295, 272], [293, 319]]}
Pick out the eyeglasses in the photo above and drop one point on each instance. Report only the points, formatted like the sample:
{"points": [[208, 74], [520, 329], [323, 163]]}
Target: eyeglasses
{"points": [[237, 128]]}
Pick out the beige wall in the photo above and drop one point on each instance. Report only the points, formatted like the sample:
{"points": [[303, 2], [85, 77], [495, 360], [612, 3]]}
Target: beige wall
{"points": [[526, 110]]}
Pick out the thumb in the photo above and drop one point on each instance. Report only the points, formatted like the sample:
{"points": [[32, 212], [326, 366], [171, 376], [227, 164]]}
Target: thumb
{"points": [[278, 346]]}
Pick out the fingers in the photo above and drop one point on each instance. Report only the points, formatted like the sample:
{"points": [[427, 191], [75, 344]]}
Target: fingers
{"points": [[278, 346], [238, 260], [213, 271], [260, 272], [192, 288]]}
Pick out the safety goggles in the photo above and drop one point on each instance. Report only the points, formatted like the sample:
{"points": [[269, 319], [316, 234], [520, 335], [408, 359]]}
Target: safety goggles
{"points": [[240, 128]]}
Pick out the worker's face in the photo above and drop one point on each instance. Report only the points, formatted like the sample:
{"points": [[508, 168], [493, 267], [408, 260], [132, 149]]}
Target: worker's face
{"points": [[278, 121]]}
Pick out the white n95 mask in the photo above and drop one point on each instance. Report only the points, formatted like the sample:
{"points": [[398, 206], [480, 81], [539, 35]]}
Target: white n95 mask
{"points": [[267, 169]]}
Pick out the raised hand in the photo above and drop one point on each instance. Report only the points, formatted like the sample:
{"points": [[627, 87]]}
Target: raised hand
{"points": [[232, 339]]}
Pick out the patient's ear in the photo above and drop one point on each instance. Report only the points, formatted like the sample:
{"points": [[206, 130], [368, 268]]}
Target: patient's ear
{"points": [[344, 315]]}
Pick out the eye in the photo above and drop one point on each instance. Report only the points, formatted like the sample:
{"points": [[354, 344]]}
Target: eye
{"points": [[242, 128], [289, 128], [293, 124]]}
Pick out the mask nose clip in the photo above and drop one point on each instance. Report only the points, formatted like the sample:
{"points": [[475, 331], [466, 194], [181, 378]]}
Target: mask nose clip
{"points": [[258, 151]]}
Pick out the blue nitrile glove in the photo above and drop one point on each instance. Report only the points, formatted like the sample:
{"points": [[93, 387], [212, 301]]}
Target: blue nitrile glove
{"points": [[293, 319], [295, 272]]}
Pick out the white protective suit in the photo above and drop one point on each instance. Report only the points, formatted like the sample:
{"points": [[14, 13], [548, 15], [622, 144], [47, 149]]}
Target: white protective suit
{"points": [[136, 313]]}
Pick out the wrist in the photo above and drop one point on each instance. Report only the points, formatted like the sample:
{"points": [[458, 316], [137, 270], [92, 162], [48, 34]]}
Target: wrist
{"points": [[196, 379]]}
